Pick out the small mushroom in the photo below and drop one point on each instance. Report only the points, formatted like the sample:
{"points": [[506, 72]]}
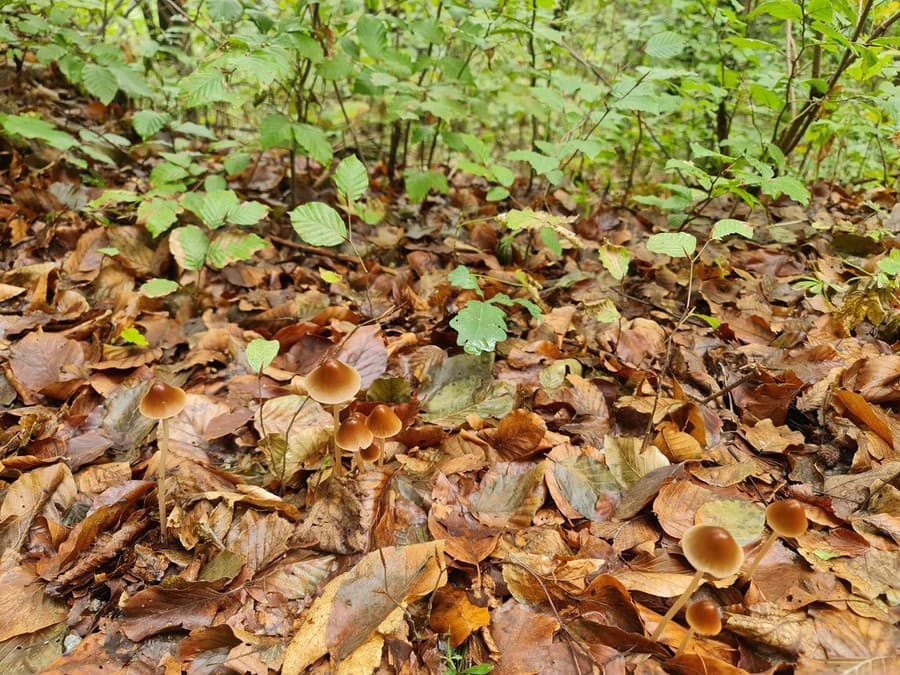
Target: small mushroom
{"points": [[333, 383], [785, 518], [162, 402], [710, 550], [353, 435], [703, 618], [383, 423], [370, 453]]}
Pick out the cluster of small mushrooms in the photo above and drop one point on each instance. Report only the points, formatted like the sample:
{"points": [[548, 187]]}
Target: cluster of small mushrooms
{"points": [[712, 550]]}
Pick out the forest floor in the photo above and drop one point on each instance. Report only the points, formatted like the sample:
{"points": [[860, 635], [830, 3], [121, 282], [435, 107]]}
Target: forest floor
{"points": [[528, 515]]}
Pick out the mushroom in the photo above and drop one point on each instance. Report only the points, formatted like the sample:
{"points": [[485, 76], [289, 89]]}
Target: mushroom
{"points": [[704, 618], [333, 383], [162, 402], [710, 550], [370, 453], [353, 435], [786, 518], [383, 423]]}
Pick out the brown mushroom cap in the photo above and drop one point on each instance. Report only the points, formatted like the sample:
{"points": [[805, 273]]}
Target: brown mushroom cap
{"points": [[712, 549], [353, 433], [704, 617], [333, 382], [787, 518], [383, 422], [370, 453], [162, 401]]}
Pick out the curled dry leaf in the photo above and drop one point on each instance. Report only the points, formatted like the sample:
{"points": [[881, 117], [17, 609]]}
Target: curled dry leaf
{"points": [[581, 484], [449, 519], [509, 494], [48, 490], [45, 363], [517, 436], [184, 604]]}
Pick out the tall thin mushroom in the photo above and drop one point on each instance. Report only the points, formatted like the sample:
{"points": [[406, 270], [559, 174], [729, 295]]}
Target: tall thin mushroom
{"points": [[162, 402], [786, 518], [710, 550], [336, 384]]}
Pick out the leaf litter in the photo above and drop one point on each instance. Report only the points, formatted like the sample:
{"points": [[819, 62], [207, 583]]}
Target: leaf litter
{"points": [[531, 508]]}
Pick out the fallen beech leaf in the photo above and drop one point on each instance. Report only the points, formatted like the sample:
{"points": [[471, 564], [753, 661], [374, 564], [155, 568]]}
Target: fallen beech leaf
{"points": [[766, 437], [862, 411], [24, 607], [849, 492], [517, 436], [509, 494], [260, 540], [304, 427], [189, 605], [49, 490], [452, 612], [626, 461], [41, 361], [33, 652], [466, 539], [365, 351], [853, 643], [790, 632], [742, 518], [677, 503], [356, 604], [876, 379], [691, 664], [581, 485]]}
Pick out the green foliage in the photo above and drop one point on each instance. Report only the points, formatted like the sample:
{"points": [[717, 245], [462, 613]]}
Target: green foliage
{"points": [[481, 324], [261, 353], [454, 662]]}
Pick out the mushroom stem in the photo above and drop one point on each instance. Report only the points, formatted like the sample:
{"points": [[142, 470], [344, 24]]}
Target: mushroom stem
{"points": [[762, 554], [163, 440], [679, 603], [684, 643], [381, 458], [338, 467]]}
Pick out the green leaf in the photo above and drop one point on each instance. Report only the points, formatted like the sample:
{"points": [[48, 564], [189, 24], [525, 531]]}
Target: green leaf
{"points": [[189, 245], [530, 307], [729, 226], [420, 183], [665, 45], [194, 129], [203, 87], [157, 288], [224, 10], [551, 240], [148, 122], [261, 353], [461, 277], [318, 224], [99, 82], [157, 214], [215, 207], [673, 244], [495, 194], [111, 251], [542, 164], [247, 213], [788, 185], [329, 277], [276, 132], [167, 173], [33, 127], [372, 35], [351, 178], [780, 9], [480, 325], [313, 141], [133, 336], [231, 247], [236, 162], [615, 260], [891, 265], [712, 321]]}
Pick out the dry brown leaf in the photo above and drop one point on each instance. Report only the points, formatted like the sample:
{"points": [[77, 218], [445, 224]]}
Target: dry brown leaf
{"points": [[48, 490], [449, 519], [864, 412], [356, 605], [627, 462], [24, 607], [509, 495], [677, 503], [517, 436], [764, 436], [876, 379], [258, 539], [581, 484], [189, 605], [453, 613], [45, 363]]}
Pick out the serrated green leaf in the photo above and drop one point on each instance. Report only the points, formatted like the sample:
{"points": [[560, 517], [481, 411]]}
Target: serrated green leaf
{"points": [[551, 240], [247, 213], [148, 122], [157, 215], [194, 129], [157, 288], [615, 260], [665, 45], [372, 34], [100, 82], [729, 226], [224, 10], [33, 127], [167, 173], [787, 185], [461, 277], [231, 247], [133, 336], [318, 224], [495, 194], [351, 178], [420, 183], [276, 132], [261, 353], [189, 245], [480, 326], [214, 208], [313, 141], [673, 244], [530, 307], [236, 162], [203, 87], [891, 265]]}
